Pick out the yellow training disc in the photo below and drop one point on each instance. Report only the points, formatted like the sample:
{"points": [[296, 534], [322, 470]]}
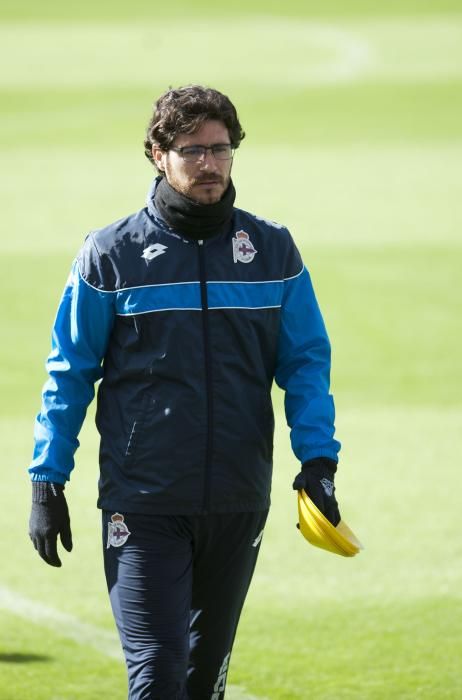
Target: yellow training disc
{"points": [[315, 527]]}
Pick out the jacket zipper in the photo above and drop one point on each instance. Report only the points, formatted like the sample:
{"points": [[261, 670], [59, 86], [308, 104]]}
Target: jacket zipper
{"points": [[208, 377]]}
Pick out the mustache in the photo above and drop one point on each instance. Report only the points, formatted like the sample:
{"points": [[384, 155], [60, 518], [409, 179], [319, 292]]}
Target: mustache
{"points": [[209, 177]]}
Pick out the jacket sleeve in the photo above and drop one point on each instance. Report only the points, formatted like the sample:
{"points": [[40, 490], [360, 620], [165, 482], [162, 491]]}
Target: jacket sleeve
{"points": [[79, 341], [303, 371]]}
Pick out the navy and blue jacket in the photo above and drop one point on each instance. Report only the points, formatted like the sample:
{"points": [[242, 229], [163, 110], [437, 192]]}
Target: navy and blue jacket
{"points": [[186, 337]]}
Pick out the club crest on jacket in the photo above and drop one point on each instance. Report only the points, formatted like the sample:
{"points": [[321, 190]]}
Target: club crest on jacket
{"points": [[117, 531], [243, 248]]}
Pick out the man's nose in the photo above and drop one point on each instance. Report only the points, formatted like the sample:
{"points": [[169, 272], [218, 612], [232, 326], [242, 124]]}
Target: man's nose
{"points": [[207, 159]]}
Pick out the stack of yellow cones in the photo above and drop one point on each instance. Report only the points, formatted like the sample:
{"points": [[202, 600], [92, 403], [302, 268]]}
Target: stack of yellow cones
{"points": [[315, 527]]}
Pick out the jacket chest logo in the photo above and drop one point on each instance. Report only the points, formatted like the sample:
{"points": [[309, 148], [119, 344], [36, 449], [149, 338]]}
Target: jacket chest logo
{"points": [[243, 248], [152, 251]]}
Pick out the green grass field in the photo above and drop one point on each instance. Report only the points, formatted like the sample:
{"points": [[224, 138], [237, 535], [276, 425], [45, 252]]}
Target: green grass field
{"points": [[353, 113]]}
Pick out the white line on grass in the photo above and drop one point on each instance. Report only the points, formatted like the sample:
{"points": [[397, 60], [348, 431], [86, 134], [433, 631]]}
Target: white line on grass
{"points": [[88, 55], [62, 624], [82, 633], [270, 51]]}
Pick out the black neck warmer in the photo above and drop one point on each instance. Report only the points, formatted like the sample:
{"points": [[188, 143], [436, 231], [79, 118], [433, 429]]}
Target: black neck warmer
{"points": [[198, 221]]}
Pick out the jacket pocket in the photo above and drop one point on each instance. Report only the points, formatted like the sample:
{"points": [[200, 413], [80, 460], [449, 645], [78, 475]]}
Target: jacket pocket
{"points": [[139, 425]]}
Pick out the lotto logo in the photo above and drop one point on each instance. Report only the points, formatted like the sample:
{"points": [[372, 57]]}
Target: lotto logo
{"points": [[221, 680]]}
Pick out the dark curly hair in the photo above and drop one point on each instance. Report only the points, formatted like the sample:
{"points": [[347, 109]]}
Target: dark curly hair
{"points": [[183, 111]]}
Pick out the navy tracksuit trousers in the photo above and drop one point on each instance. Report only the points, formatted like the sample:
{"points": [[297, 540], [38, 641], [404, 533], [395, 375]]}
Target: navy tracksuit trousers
{"points": [[177, 585]]}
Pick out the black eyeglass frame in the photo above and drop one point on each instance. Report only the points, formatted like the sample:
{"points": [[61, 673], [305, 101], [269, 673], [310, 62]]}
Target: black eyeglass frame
{"points": [[203, 151]]}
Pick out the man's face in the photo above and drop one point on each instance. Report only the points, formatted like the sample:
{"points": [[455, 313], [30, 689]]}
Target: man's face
{"points": [[205, 180]]}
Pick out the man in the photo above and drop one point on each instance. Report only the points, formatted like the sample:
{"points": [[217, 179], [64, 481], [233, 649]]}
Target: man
{"points": [[187, 311]]}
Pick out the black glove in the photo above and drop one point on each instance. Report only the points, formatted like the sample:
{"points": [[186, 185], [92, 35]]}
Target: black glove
{"points": [[49, 518], [317, 479]]}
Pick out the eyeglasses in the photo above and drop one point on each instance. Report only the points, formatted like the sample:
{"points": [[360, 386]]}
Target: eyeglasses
{"points": [[193, 154]]}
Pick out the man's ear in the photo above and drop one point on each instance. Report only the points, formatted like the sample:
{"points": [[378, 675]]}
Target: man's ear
{"points": [[159, 157]]}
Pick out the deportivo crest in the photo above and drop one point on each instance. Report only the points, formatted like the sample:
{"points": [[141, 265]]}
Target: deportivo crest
{"points": [[117, 532], [243, 249]]}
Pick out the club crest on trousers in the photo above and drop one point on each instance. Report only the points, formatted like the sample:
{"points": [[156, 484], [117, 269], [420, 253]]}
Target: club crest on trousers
{"points": [[117, 531]]}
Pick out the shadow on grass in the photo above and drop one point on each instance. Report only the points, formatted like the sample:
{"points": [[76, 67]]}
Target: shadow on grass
{"points": [[18, 658]]}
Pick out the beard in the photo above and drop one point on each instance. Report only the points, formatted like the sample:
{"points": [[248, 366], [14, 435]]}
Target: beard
{"points": [[204, 188]]}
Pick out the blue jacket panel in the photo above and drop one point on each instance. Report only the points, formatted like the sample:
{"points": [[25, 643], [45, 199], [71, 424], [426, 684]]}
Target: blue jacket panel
{"points": [[186, 338]]}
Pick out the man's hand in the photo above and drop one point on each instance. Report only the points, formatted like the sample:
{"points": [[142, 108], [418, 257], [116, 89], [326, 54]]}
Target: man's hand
{"points": [[317, 479], [49, 518]]}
